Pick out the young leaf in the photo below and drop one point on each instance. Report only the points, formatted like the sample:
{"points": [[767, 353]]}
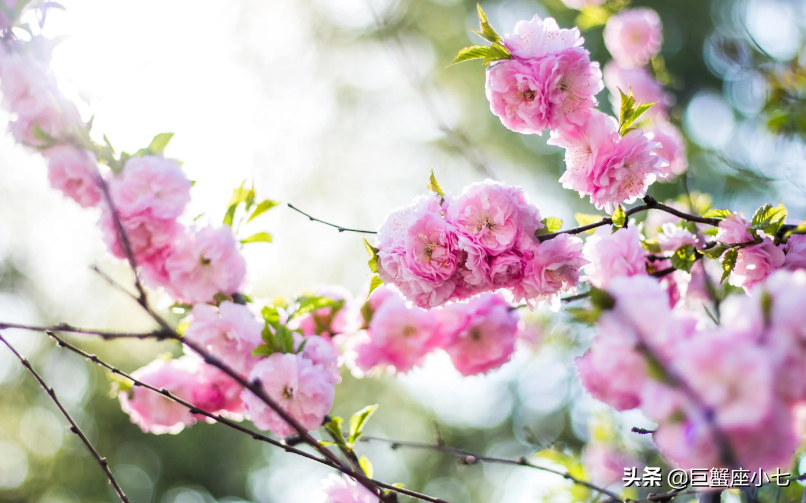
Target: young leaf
{"points": [[366, 466], [651, 245], [728, 263], [683, 258], [310, 304], [158, 144], [584, 315], [769, 219], [800, 229], [487, 31], [637, 112], [716, 251], [627, 107], [374, 283], [271, 315], [260, 237], [433, 186], [334, 428], [601, 299], [358, 421], [619, 217], [496, 52], [373, 255], [261, 208], [262, 350], [469, 53], [550, 225], [713, 231], [717, 213]]}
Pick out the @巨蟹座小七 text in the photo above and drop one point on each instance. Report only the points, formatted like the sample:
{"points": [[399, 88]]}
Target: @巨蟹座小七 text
{"points": [[704, 477]]}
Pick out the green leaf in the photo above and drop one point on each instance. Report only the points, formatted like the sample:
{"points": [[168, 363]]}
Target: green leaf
{"points": [[800, 229], [119, 383], [683, 258], [496, 52], [591, 17], [717, 213], [374, 283], [366, 314], [358, 421], [469, 53], [769, 218], [433, 186], [241, 195], [302, 345], [310, 304], [584, 315], [711, 232], [728, 263], [262, 350], [626, 108], [260, 237], [334, 428], [41, 135], [366, 466], [619, 217], [158, 144], [601, 299], [373, 256], [487, 31], [271, 315], [587, 219], [261, 208], [637, 112], [716, 251], [651, 245], [550, 226]]}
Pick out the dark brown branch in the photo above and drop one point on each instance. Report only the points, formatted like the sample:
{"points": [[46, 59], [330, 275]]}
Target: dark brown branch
{"points": [[650, 204], [73, 426], [470, 458], [340, 228], [228, 422]]}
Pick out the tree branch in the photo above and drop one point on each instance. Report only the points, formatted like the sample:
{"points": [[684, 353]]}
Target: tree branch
{"points": [[228, 422], [471, 458], [340, 228], [73, 426]]}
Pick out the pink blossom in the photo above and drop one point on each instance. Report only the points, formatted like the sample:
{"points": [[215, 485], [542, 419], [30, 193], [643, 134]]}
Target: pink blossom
{"points": [[398, 336], [324, 321], [754, 263], [689, 443], [554, 91], [153, 185], [581, 4], [301, 388], [506, 270], [733, 229], [613, 372], [673, 149], [674, 237], [605, 463], [493, 215], [633, 36], [734, 380], [795, 250], [344, 489], [771, 444], [154, 413], [217, 392], [485, 338], [320, 351], [205, 263], [230, 332], [644, 87], [431, 248], [474, 272], [609, 169], [33, 98], [74, 172], [553, 267], [538, 37], [149, 237], [613, 255]]}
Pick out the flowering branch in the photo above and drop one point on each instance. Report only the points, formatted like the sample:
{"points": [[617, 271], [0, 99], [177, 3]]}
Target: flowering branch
{"points": [[470, 458], [216, 417], [73, 426], [340, 228]]}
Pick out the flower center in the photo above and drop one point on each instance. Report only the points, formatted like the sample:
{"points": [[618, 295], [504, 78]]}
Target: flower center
{"points": [[288, 392], [528, 95], [204, 260], [408, 331], [475, 334]]}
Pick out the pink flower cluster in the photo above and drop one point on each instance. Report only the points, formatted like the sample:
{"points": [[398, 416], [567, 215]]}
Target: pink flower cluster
{"points": [[550, 81], [303, 383], [739, 382], [479, 335], [481, 241], [755, 262], [605, 166], [344, 489]]}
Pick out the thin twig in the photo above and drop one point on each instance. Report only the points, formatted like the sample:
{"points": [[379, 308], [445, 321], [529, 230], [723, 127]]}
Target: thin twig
{"points": [[73, 426], [651, 204], [225, 421], [340, 228], [470, 458]]}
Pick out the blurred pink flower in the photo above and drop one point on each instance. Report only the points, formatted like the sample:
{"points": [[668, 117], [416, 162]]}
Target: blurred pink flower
{"points": [[301, 388], [204, 263], [231, 332], [644, 87], [733, 229], [613, 255], [344, 489], [634, 36], [673, 237], [152, 185], [74, 172], [613, 372], [795, 250], [754, 263], [539, 37], [217, 392], [673, 149], [553, 267]]}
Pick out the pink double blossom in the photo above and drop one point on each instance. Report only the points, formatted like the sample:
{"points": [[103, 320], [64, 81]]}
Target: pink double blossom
{"points": [[540, 37], [75, 173], [552, 267], [795, 250], [634, 36], [344, 489], [601, 164], [672, 149], [754, 263], [230, 331], [613, 255], [327, 321], [301, 388]]}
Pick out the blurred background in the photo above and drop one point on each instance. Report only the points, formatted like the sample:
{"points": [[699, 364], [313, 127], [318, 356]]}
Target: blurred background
{"points": [[342, 107]]}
